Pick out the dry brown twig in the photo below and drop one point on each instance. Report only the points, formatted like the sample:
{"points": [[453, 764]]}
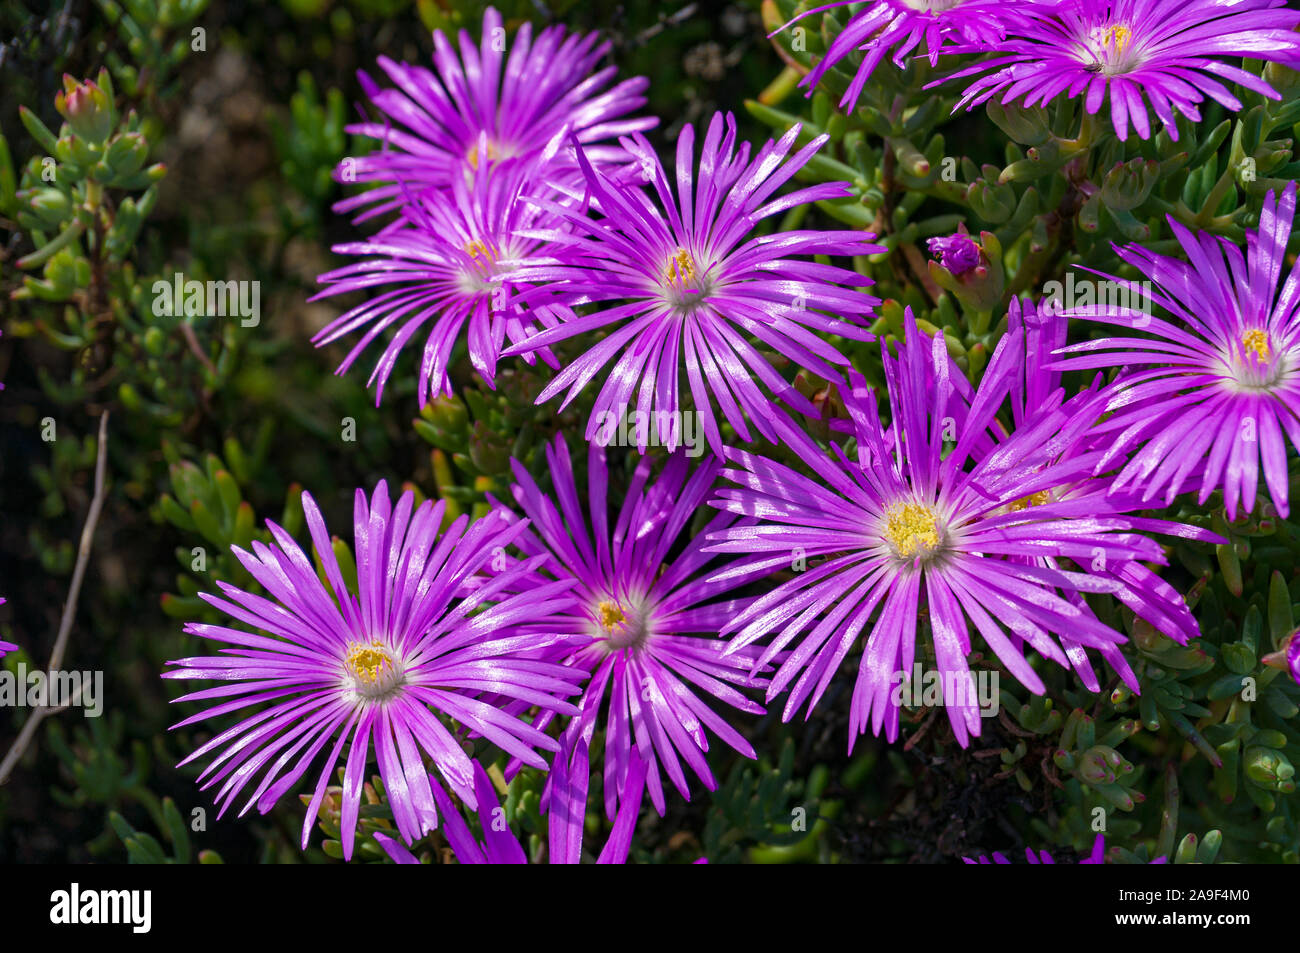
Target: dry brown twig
{"points": [[19, 747]]}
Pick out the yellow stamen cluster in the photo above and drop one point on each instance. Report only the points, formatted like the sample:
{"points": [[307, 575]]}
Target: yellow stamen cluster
{"points": [[1117, 37], [1257, 341], [476, 249], [621, 628], [911, 529], [611, 616], [680, 268], [1033, 499], [473, 154], [367, 663]]}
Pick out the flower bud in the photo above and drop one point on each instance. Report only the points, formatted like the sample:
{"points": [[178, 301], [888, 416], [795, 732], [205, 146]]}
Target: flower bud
{"points": [[87, 108], [958, 253], [1269, 768], [977, 285], [1093, 770]]}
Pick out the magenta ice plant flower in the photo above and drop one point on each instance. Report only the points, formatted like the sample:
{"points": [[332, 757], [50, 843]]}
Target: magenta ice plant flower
{"points": [[376, 670], [644, 625], [957, 252], [943, 518], [1034, 390], [1287, 656], [6, 647], [1096, 856], [438, 271], [566, 819], [681, 281], [1208, 394], [899, 28], [510, 98], [1126, 54]]}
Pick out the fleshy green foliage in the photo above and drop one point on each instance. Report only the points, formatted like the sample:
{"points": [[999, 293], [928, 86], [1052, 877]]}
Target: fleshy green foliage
{"points": [[212, 156], [1044, 191], [783, 817], [1041, 190]]}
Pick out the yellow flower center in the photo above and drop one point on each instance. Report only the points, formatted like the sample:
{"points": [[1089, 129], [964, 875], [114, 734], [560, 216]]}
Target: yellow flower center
{"points": [[1033, 499], [1111, 50], [680, 269], [1257, 341], [473, 154], [1117, 37], [611, 615], [620, 627], [365, 662], [373, 670], [476, 249], [912, 530]]}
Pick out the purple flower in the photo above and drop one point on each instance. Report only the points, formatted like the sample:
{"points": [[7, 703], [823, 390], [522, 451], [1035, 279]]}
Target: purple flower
{"points": [[695, 287], [1287, 656], [1212, 394], [1097, 856], [377, 668], [1170, 51], [1042, 856], [941, 517], [898, 27], [1035, 389], [486, 106], [441, 264], [6, 646], [396, 851], [642, 624], [566, 817], [957, 252]]}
